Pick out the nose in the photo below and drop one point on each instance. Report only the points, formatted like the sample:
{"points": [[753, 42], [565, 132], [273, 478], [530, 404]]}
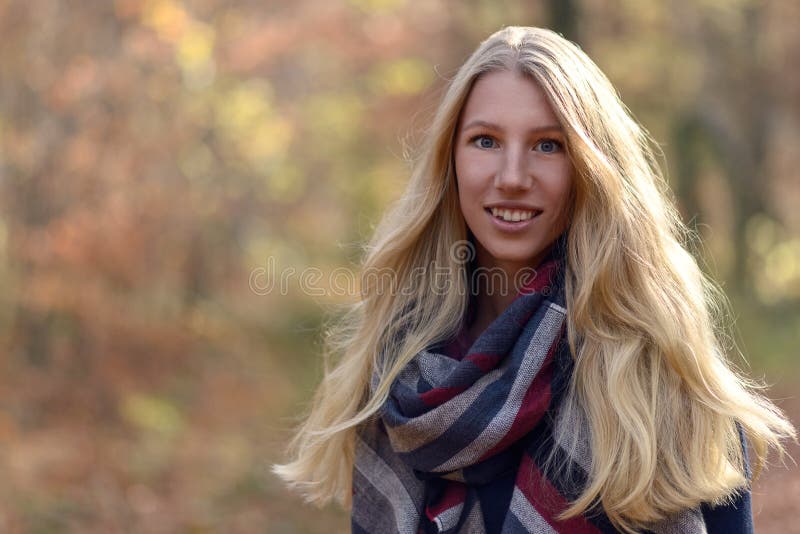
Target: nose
{"points": [[513, 174]]}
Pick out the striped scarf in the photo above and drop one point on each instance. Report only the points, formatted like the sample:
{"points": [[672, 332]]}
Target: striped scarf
{"points": [[451, 425]]}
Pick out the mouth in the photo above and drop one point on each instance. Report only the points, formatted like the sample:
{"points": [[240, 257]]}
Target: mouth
{"points": [[513, 215]]}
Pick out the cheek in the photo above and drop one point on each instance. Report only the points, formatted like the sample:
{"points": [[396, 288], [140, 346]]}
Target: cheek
{"points": [[558, 188], [467, 197], [565, 197], [468, 182], [561, 183], [565, 194]]}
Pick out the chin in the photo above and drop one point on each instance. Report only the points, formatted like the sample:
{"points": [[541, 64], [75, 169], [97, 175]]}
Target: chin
{"points": [[527, 257]]}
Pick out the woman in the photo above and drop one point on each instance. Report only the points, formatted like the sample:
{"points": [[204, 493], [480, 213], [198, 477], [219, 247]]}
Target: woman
{"points": [[583, 389]]}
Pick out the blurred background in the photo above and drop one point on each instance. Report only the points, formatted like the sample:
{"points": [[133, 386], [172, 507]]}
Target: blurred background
{"points": [[159, 159]]}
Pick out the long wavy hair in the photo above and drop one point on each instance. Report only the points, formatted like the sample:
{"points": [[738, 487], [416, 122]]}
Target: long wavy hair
{"points": [[651, 378]]}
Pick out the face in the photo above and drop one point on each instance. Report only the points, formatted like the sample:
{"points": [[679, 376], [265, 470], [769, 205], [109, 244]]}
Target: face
{"points": [[513, 172]]}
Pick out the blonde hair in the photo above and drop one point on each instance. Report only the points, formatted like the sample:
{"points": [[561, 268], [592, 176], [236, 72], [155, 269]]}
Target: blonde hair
{"points": [[660, 400]]}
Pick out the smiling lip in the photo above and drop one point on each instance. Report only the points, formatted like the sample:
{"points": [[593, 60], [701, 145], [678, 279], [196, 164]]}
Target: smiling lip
{"points": [[511, 206], [512, 226]]}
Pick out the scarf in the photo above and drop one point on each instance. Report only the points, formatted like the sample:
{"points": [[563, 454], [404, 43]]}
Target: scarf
{"points": [[450, 426]]}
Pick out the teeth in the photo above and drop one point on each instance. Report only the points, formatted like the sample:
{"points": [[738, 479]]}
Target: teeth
{"points": [[512, 215]]}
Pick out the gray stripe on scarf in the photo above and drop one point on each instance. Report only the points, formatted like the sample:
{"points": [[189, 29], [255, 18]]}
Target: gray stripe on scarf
{"points": [[688, 521], [535, 354], [433, 368], [374, 435], [473, 524], [449, 518], [524, 511], [420, 430], [371, 510], [385, 480]]}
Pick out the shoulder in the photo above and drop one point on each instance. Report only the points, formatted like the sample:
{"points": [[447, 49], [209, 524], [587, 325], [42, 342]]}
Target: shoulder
{"points": [[736, 516], [730, 518]]}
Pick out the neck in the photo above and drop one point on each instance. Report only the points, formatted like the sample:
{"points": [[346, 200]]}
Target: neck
{"points": [[487, 308], [492, 297]]}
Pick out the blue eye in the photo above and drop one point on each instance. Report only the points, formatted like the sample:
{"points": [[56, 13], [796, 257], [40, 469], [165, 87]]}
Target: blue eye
{"points": [[483, 141], [548, 146]]}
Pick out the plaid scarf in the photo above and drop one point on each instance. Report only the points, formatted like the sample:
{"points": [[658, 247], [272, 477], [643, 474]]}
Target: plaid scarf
{"points": [[451, 425]]}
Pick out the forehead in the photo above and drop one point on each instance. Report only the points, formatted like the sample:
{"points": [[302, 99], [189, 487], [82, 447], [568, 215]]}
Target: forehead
{"points": [[509, 99]]}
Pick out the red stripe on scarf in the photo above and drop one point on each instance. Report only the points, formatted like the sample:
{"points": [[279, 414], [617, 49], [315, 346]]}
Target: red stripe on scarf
{"points": [[437, 396], [544, 276], [547, 500], [484, 362], [455, 493]]}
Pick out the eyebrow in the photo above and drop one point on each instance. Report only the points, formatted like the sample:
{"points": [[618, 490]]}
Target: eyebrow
{"points": [[492, 126]]}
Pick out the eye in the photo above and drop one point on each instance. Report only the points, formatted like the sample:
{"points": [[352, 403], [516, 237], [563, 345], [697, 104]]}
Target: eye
{"points": [[549, 146], [483, 141]]}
